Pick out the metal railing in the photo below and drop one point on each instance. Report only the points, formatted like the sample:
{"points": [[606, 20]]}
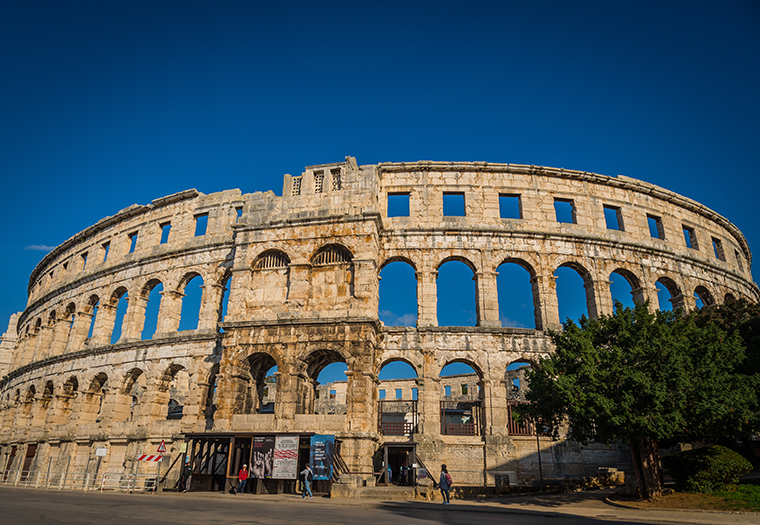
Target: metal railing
{"points": [[115, 481]]}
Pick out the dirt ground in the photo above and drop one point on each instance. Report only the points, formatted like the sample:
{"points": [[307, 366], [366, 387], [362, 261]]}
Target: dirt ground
{"points": [[681, 500]]}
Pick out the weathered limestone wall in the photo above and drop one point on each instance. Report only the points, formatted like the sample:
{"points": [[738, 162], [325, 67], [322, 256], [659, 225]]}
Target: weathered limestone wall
{"points": [[292, 281]]}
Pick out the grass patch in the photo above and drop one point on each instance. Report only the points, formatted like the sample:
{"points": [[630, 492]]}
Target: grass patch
{"points": [[746, 495], [742, 498]]}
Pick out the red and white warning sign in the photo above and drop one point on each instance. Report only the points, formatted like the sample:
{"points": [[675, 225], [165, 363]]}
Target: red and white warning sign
{"points": [[162, 447], [149, 457]]}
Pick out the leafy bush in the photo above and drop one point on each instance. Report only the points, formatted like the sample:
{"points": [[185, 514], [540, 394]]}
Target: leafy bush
{"points": [[706, 469]]}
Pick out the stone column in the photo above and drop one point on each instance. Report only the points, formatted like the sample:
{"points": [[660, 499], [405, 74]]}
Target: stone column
{"points": [[429, 406], [545, 302], [298, 292], [238, 283], [487, 299], [60, 337], [79, 331], [211, 302], [104, 324], [646, 293], [42, 346], [360, 398], [427, 297], [494, 402], [169, 312], [134, 319], [366, 284], [598, 297]]}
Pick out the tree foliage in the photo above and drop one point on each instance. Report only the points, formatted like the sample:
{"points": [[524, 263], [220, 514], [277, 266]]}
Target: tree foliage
{"points": [[642, 377]]}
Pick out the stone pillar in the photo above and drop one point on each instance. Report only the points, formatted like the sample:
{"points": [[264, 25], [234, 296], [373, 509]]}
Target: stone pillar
{"points": [[134, 319], [545, 302], [494, 401], [211, 302], [366, 284], [238, 283], [298, 292], [104, 324], [646, 293], [169, 312], [429, 406], [487, 299], [60, 336], [427, 297], [598, 297], [42, 346], [360, 398], [79, 331]]}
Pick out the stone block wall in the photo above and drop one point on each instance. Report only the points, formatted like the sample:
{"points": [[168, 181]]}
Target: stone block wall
{"points": [[292, 282]]}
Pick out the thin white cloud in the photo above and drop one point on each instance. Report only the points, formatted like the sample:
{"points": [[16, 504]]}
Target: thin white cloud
{"points": [[39, 248]]}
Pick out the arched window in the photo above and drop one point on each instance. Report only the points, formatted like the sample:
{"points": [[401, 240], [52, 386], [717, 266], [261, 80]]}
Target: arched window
{"points": [[120, 298], [517, 301], [456, 293], [398, 295], [572, 297], [191, 303], [153, 290]]}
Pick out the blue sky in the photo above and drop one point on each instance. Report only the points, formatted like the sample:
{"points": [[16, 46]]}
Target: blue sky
{"points": [[104, 104]]}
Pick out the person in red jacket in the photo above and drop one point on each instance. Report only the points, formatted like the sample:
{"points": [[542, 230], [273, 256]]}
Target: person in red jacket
{"points": [[242, 478]]}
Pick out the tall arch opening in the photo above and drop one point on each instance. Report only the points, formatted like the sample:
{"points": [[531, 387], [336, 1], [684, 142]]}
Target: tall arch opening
{"points": [[668, 295], [625, 288], [460, 406], [191, 302], [153, 291], [397, 399], [456, 293], [326, 387], [119, 299], [572, 296], [397, 304], [258, 386], [517, 302]]}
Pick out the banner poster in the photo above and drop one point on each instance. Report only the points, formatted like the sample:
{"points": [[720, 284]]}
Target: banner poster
{"points": [[285, 457], [321, 454], [262, 456]]}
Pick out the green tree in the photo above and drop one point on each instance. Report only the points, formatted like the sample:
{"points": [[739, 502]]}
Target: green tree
{"points": [[641, 377]]}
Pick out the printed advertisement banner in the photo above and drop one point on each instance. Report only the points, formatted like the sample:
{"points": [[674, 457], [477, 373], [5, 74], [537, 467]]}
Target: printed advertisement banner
{"points": [[321, 455], [262, 457], [285, 457]]}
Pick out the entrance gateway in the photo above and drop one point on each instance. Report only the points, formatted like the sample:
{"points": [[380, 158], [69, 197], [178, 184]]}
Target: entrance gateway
{"points": [[274, 461]]}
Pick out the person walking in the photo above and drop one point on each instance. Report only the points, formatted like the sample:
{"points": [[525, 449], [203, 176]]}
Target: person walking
{"points": [[444, 483], [242, 478], [308, 475]]}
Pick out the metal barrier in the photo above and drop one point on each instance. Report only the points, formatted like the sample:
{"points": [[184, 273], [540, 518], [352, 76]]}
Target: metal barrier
{"points": [[114, 481]]}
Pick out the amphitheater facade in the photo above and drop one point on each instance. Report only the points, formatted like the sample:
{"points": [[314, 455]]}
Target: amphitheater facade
{"points": [[292, 281]]}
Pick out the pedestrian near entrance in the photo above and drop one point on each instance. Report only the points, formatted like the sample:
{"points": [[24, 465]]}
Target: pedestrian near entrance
{"points": [[242, 478], [308, 475], [444, 483]]}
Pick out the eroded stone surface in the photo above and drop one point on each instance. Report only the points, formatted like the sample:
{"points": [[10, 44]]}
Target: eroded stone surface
{"points": [[301, 273]]}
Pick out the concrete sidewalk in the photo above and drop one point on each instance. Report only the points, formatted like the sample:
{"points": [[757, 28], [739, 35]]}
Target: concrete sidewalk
{"points": [[589, 504]]}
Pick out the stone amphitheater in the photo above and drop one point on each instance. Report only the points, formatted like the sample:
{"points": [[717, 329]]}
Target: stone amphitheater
{"points": [[292, 282]]}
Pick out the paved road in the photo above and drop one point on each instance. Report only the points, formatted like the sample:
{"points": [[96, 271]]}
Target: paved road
{"points": [[30, 506]]}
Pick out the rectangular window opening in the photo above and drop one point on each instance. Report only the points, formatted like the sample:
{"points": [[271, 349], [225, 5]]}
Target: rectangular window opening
{"points": [[239, 213], [201, 223], [739, 260], [453, 204], [382, 394], [718, 248], [398, 205], [332, 394], [510, 206], [132, 242], [414, 393], [399, 394], [165, 229], [656, 230], [464, 390], [66, 265], [564, 210], [337, 183], [106, 249], [319, 179], [613, 216], [84, 260], [447, 391], [296, 190], [690, 237]]}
